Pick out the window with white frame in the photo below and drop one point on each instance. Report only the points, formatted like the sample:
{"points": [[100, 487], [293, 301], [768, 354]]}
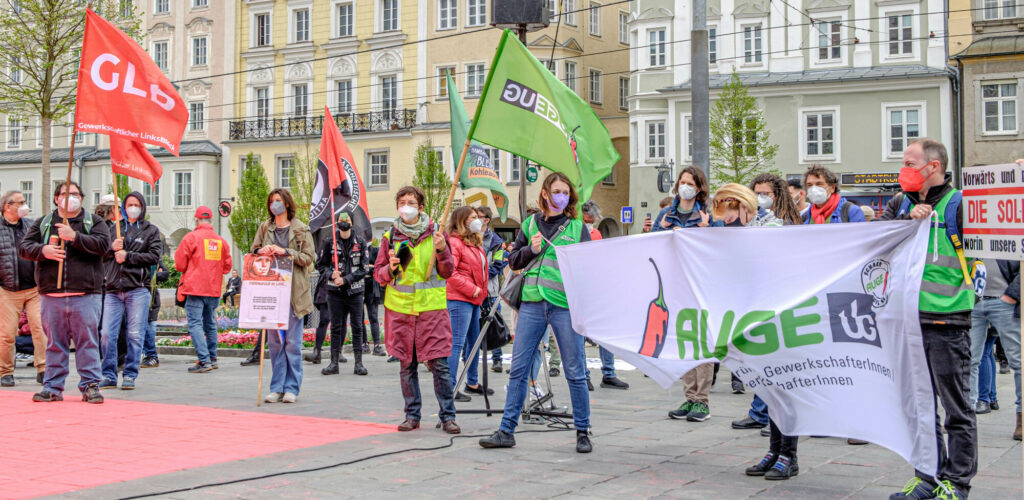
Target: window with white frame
{"points": [[655, 140], [196, 116], [1000, 9], [126, 8], [261, 27], [712, 44], [903, 125], [262, 98], [623, 27], [161, 6], [160, 55], [476, 14], [183, 189], [389, 93], [569, 78], [513, 173], [343, 96], [300, 20], [300, 99], [595, 86], [623, 92], [569, 10], [442, 81], [901, 34], [26, 191], [285, 168], [346, 19], [999, 107], [199, 51], [151, 194], [79, 137], [13, 133], [820, 134], [475, 76], [389, 15], [200, 3], [689, 137], [15, 69], [437, 154], [609, 180], [552, 66], [656, 47], [377, 163], [752, 44], [744, 137], [828, 34], [550, 6], [448, 14], [595, 19], [494, 155]]}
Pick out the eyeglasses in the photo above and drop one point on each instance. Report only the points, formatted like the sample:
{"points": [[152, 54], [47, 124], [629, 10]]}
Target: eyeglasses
{"points": [[12, 203]]}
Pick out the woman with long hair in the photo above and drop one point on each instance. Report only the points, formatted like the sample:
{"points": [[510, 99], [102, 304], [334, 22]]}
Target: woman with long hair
{"points": [[773, 194], [467, 289], [544, 303]]}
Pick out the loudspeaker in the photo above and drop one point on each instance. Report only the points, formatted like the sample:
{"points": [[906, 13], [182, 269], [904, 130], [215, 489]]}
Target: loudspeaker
{"points": [[511, 13]]}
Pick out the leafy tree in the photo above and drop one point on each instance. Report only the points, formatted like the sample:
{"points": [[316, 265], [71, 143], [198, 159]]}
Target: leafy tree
{"points": [[740, 142], [40, 48], [303, 180], [123, 188], [432, 178], [251, 209]]}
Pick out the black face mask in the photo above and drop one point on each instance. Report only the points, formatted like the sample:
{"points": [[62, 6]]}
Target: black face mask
{"points": [[344, 226], [735, 223]]}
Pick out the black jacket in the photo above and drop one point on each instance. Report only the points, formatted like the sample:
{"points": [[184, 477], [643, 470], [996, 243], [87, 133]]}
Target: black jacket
{"points": [[353, 262], [935, 195], [83, 264], [9, 259], [372, 294], [1010, 270], [143, 249]]}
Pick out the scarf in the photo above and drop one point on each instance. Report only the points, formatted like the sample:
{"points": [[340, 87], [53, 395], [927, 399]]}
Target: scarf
{"points": [[413, 231], [821, 215]]}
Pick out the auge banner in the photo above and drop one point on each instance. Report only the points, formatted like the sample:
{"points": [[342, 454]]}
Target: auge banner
{"points": [[820, 321]]}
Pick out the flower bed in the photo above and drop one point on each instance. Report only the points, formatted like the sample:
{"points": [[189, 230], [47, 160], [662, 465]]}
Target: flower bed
{"points": [[241, 339]]}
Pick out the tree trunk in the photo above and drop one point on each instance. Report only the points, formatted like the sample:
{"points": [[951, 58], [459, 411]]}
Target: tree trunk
{"points": [[44, 191]]}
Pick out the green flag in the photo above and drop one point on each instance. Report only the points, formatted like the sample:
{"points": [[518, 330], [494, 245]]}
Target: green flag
{"points": [[527, 111], [477, 171]]}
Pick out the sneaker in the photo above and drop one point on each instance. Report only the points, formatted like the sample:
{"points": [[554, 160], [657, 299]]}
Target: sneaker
{"points": [[496, 367], [378, 350], [150, 362], [200, 367], [289, 397], [994, 405], [462, 398], [500, 439], [554, 372], [763, 466], [108, 384], [982, 408], [392, 359], [737, 387], [46, 396], [7, 381], [20, 357], [747, 423], [273, 397], [783, 468], [947, 491], [699, 412], [1004, 367], [128, 384], [537, 391], [92, 395], [915, 489], [213, 363], [766, 432], [613, 383], [681, 412], [583, 444]]}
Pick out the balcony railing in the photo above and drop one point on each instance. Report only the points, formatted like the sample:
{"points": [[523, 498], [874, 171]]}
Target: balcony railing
{"points": [[306, 126]]}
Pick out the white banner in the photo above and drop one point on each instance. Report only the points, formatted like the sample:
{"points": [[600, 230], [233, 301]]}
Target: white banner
{"points": [[820, 321], [266, 292]]}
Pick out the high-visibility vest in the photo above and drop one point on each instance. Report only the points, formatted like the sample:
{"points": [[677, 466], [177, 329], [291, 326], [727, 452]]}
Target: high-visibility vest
{"points": [[544, 282], [411, 292], [944, 289]]}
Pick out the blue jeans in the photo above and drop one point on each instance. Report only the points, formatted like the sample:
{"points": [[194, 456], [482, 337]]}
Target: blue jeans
{"points": [[995, 312], [758, 411], [410, 380], [286, 357], [65, 320], [201, 326], [987, 373], [534, 318], [116, 305], [149, 340], [465, 318], [607, 363]]}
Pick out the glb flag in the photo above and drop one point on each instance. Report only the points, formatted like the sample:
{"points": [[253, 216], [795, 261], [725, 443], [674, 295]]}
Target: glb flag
{"points": [[526, 110], [477, 171], [131, 158], [822, 336], [122, 92], [336, 175], [266, 292]]}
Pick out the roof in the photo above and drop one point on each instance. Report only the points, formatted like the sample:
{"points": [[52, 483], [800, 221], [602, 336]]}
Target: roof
{"points": [[993, 46], [819, 76], [188, 148]]}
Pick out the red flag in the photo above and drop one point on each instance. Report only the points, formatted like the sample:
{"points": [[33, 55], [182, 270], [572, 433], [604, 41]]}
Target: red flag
{"points": [[131, 158], [333, 150], [336, 174], [122, 92]]}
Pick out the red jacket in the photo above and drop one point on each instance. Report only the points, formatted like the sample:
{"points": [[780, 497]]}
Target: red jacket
{"points": [[470, 274], [204, 258]]}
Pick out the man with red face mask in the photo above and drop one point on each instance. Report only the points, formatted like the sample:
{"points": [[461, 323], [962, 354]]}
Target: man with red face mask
{"points": [[946, 302]]}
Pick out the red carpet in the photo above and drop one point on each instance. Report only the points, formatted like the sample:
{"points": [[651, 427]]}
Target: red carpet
{"points": [[52, 448]]}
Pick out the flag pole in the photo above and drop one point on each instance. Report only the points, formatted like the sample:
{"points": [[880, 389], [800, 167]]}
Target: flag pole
{"points": [[259, 385], [455, 183], [334, 229], [117, 204], [64, 215]]}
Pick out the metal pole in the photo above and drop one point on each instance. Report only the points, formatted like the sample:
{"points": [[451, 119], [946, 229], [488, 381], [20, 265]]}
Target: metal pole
{"points": [[699, 86], [521, 30]]}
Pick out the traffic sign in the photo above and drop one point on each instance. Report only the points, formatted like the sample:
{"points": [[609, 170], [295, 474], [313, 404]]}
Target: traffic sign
{"points": [[224, 209], [627, 215], [993, 211], [531, 173]]}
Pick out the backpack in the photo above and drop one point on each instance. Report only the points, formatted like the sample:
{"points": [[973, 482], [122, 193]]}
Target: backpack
{"points": [[44, 226], [950, 225], [844, 213]]}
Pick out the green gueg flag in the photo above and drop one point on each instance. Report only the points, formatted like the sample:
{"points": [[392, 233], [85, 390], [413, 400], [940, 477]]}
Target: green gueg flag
{"points": [[477, 171], [527, 111]]}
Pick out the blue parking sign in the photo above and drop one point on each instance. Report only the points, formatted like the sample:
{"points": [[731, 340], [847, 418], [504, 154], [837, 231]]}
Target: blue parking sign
{"points": [[627, 215]]}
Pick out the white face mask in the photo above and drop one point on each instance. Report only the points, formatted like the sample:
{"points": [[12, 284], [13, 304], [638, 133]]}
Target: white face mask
{"points": [[765, 202], [687, 192], [817, 195], [23, 211], [74, 203], [477, 226], [133, 212], [407, 213]]}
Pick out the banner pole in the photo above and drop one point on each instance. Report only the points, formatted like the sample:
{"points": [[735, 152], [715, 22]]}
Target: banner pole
{"points": [[117, 204], [64, 217], [455, 184], [334, 229], [259, 385]]}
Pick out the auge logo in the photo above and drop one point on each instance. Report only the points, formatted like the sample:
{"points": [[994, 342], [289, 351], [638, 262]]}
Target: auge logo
{"points": [[875, 280], [853, 319]]}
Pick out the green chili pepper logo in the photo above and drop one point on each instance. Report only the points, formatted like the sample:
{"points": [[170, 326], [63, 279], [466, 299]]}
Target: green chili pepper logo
{"points": [[656, 329]]}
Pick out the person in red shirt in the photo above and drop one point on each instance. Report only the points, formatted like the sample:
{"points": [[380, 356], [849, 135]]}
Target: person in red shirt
{"points": [[609, 380], [203, 258]]}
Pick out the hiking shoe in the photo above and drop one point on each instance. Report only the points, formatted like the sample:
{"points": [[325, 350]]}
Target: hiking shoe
{"points": [[7, 381], [462, 398], [737, 387], [128, 384], [378, 350], [92, 395], [699, 412], [747, 423], [982, 408], [46, 396], [763, 466], [108, 384], [583, 444], [915, 489], [554, 372], [200, 367], [784, 468], [150, 362], [681, 412], [500, 439], [613, 383]]}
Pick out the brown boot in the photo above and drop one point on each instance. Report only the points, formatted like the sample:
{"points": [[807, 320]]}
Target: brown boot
{"points": [[451, 427], [1016, 432], [408, 425]]}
